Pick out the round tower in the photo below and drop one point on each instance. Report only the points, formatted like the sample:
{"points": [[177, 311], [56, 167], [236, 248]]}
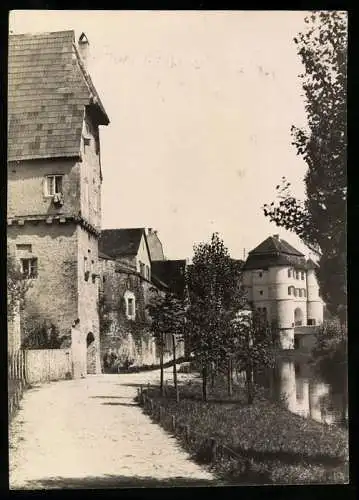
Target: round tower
{"points": [[314, 302], [284, 306]]}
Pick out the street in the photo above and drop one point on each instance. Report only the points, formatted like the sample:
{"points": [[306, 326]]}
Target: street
{"points": [[90, 433]]}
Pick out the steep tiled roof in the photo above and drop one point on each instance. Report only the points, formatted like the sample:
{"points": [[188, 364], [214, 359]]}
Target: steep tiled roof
{"points": [[274, 244], [172, 272], [274, 252], [48, 89], [119, 242]]}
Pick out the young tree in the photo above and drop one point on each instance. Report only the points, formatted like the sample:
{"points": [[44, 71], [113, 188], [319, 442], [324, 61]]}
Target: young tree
{"points": [[320, 219], [17, 287], [254, 340], [167, 313], [215, 296]]}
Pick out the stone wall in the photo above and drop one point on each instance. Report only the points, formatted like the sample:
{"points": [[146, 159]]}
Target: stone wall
{"points": [[131, 340], [53, 295], [26, 187]]}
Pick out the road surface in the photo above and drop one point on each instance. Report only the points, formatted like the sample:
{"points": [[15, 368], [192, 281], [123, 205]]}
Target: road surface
{"points": [[90, 433]]}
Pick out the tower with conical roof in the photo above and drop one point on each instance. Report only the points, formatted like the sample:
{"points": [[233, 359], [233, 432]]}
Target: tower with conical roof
{"points": [[282, 285]]}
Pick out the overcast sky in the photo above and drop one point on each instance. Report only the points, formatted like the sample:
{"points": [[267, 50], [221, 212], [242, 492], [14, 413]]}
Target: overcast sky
{"points": [[200, 107]]}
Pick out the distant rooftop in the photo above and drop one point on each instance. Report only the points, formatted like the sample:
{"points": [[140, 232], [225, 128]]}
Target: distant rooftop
{"points": [[117, 243], [274, 251]]}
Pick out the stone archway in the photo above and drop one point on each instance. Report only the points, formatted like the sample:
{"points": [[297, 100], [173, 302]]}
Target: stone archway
{"points": [[91, 353], [298, 317]]}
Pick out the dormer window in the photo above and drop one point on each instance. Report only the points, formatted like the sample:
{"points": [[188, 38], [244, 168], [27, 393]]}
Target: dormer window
{"points": [[53, 185]]}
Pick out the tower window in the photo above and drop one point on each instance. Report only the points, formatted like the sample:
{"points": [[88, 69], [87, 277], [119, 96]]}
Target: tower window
{"points": [[297, 275], [302, 275], [53, 185], [304, 292], [29, 268], [289, 274]]}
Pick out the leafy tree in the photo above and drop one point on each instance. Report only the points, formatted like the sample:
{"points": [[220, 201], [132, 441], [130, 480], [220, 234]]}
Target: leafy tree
{"points": [[17, 286], [320, 219], [167, 314], [215, 296], [254, 342]]}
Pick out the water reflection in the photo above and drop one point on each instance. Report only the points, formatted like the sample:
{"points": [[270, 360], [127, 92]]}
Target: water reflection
{"points": [[306, 392]]}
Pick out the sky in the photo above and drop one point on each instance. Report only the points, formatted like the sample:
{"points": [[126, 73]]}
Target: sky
{"points": [[200, 106]]}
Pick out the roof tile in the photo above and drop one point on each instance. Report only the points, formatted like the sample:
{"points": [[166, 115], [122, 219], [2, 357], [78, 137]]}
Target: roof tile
{"points": [[47, 81]]}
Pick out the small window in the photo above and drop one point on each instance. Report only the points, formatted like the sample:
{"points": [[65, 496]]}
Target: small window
{"points": [[289, 274], [302, 275], [297, 275], [304, 292], [311, 322], [53, 185], [29, 268], [130, 305], [299, 292], [260, 274], [260, 292]]}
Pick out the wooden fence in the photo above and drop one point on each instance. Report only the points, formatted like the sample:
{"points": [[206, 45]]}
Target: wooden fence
{"points": [[212, 450], [16, 379], [44, 365]]}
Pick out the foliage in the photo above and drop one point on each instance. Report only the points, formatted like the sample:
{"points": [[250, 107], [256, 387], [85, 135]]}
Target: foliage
{"points": [[168, 314], [17, 286], [43, 336], [320, 220], [329, 356], [253, 345], [215, 296]]}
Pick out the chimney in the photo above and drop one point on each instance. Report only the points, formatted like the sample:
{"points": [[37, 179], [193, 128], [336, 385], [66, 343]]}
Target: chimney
{"points": [[84, 48], [276, 236], [149, 230]]}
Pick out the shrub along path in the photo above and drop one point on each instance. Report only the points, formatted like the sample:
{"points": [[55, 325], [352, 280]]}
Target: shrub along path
{"points": [[90, 433]]}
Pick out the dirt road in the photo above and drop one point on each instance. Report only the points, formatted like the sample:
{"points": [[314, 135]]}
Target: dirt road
{"points": [[89, 433]]}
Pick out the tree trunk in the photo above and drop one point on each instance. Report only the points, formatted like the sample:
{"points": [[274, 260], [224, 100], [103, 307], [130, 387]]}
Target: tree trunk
{"points": [[230, 377], [161, 364], [249, 384], [204, 383], [175, 367], [213, 375]]}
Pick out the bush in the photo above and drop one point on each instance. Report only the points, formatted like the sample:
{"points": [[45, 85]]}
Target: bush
{"points": [[44, 336]]}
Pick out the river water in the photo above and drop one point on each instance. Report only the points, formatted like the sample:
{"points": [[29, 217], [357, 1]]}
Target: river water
{"points": [[308, 391]]}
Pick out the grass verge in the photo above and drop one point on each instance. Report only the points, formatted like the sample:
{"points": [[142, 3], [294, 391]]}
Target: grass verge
{"points": [[275, 446]]}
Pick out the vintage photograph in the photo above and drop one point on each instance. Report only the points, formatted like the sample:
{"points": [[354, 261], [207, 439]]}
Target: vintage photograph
{"points": [[176, 249]]}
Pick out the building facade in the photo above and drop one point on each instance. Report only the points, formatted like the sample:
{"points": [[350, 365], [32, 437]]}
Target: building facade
{"points": [[54, 182], [282, 284], [128, 281]]}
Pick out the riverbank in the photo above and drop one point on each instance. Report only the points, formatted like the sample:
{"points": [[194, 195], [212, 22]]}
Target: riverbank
{"points": [[275, 445]]}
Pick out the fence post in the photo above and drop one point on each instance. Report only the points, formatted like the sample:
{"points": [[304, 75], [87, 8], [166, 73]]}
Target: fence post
{"points": [[186, 430], [173, 419], [151, 406], [213, 443], [161, 414]]}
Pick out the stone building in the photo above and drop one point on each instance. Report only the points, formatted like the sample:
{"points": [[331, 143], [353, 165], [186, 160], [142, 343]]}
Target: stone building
{"points": [[282, 284], [54, 181], [127, 282]]}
